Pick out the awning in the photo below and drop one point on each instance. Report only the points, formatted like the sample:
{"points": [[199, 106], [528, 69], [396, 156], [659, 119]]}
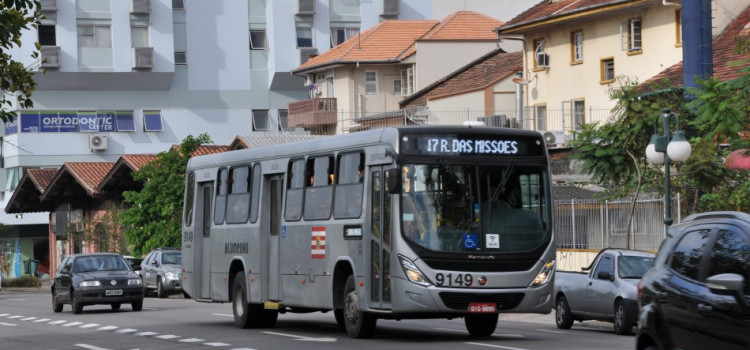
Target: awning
{"points": [[739, 159]]}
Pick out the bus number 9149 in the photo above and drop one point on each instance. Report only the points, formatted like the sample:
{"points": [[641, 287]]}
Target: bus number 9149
{"points": [[449, 280]]}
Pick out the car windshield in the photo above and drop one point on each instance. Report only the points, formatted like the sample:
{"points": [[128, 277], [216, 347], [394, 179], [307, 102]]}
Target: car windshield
{"points": [[171, 259], [101, 263], [633, 266], [468, 208]]}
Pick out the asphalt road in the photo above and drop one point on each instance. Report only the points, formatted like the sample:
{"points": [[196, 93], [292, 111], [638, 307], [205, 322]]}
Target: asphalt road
{"points": [[28, 323]]}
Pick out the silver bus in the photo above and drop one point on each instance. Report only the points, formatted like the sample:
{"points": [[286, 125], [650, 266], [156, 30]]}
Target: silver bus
{"points": [[395, 223]]}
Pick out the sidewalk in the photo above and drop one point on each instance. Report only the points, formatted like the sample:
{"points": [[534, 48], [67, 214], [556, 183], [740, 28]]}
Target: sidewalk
{"points": [[45, 288]]}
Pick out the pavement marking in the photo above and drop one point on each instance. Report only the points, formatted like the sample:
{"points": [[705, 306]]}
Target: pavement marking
{"points": [[8, 324], [71, 324], [28, 318], [191, 340], [556, 332], [3, 315], [303, 338], [107, 328], [90, 325], [168, 336], [242, 349], [127, 330], [495, 346], [57, 322], [146, 334], [224, 315], [217, 344], [42, 320], [90, 347], [15, 317]]}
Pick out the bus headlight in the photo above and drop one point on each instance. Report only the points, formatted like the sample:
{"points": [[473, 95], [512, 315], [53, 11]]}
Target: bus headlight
{"points": [[413, 273], [545, 275]]}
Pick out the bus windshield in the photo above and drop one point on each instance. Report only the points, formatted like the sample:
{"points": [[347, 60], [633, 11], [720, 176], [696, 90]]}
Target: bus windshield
{"points": [[475, 208]]}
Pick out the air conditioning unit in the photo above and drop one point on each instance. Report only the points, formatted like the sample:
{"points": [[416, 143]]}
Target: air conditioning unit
{"points": [[143, 57], [50, 56], [76, 226], [48, 5], [556, 138], [140, 6], [97, 143], [391, 7], [542, 59], [305, 53], [306, 7]]}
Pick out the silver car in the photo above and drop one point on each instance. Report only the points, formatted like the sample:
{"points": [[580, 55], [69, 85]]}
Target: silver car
{"points": [[161, 271]]}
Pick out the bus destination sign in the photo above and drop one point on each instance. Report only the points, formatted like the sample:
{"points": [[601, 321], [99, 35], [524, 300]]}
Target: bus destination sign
{"points": [[470, 144]]}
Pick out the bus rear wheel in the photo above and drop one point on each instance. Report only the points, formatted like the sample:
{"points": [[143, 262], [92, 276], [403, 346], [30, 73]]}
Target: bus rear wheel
{"points": [[481, 325], [358, 323]]}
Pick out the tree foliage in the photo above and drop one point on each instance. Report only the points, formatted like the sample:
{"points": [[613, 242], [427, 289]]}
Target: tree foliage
{"points": [[153, 218], [16, 82]]}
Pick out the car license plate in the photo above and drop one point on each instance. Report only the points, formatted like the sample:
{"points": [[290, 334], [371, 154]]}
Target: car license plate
{"points": [[482, 307], [113, 292]]}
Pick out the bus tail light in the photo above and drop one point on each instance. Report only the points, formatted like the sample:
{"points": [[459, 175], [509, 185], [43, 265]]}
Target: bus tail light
{"points": [[413, 273], [545, 275]]}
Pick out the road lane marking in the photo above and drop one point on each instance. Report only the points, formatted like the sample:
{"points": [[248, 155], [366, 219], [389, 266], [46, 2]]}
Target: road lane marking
{"points": [[548, 331], [216, 344], [303, 338], [28, 318], [15, 317], [191, 340], [449, 329], [8, 324], [3, 315], [127, 330], [57, 322], [146, 334], [91, 347], [168, 336], [107, 328], [90, 325], [242, 349], [42, 320], [495, 346], [224, 315], [71, 324]]}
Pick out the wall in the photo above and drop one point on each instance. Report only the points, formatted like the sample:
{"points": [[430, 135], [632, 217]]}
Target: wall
{"points": [[436, 59]]}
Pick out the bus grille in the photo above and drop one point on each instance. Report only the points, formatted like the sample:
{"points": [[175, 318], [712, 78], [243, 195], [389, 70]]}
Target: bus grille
{"points": [[461, 301]]}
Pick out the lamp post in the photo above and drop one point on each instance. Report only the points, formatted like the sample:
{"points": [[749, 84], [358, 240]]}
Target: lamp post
{"points": [[664, 148]]}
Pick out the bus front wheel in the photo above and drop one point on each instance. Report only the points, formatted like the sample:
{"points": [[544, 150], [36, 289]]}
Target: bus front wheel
{"points": [[248, 315], [481, 325], [358, 323]]}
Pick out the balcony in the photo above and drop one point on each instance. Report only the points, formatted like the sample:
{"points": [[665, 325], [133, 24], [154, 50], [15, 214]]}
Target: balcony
{"points": [[313, 112]]}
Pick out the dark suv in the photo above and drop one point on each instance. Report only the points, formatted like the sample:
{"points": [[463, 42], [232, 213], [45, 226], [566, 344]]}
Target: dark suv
{"points": [[696, 296], [161, 271]]}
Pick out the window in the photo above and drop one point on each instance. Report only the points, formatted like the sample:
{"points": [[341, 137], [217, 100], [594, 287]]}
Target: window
{"points": [[180, 58], [687, 254], [139, 37], [255, 199], [258, 39], [397, 86], [371, 83], [220, 204], [606, 264], [124, 121], [152, 121], [730, 255], [540, 116], [678, 29], [576, 47], [631, 36], [318, 188], [94, 36], [178, 4], [189, 194], [607, 70], [349, 186], [304, 37], [407, 81], [260, 119], [540, 58], [238, 198], [340, 35], [47, 35], [295, 190], [579, 111], [283, 115]]}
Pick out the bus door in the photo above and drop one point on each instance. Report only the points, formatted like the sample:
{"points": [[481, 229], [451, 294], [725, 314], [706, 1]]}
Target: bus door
{"points": [[380, 239], [202, 243], [272, 200]]}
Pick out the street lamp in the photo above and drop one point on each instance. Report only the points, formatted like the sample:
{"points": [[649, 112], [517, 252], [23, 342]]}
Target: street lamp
{"points": [[664, 147]]}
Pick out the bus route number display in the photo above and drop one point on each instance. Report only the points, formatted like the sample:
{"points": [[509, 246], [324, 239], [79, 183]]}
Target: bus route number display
{"points": [[441, 145], [472, 144]]}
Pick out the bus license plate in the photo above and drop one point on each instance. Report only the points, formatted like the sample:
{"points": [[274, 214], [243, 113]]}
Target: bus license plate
{"points": [[113, 292], [482, 307]]}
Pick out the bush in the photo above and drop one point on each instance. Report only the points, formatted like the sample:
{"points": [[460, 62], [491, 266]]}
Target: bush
{"points": [[23, 281]]}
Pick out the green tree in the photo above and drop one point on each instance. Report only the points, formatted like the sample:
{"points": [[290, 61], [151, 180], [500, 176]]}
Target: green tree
{"points": [[153, 218], [16, 82]]}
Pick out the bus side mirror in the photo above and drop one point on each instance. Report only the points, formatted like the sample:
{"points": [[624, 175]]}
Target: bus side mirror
{"points": [[392, 181]]}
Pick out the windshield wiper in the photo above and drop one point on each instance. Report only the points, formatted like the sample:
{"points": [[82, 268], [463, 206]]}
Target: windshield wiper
{"points": [[450, 171], [501, 187]]}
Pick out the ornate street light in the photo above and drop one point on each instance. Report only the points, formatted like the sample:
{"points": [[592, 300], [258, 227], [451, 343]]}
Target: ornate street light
{"points": [[664, 147]]}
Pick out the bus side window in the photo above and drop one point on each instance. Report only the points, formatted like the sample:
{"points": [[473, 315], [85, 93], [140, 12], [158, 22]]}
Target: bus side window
{"points": [[189, 193], [221, 197], [238, 199], [255, 193], [295, 189], [349, 186], [319, 192]]}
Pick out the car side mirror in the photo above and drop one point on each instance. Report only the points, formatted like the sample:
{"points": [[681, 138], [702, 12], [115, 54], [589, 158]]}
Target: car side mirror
{"points": [[728, 284], [604, 275], [153, 263]]}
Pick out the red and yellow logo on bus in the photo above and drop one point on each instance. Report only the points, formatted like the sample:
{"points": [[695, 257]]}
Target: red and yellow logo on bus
{"points": [[318, 250]]}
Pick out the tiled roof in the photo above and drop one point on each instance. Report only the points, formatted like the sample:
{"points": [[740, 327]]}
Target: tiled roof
{"points": [[548, 11], [26, 197], [202, 150], [88, 174], [566, 192], [723, 53], [136, 161], [477, 75], [394, 40], [256, 140], [41, 177], [119, 178]]}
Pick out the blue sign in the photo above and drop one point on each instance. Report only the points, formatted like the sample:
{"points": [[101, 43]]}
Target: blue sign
{"points": [[11, 127], [471, 241], [30, 122]]}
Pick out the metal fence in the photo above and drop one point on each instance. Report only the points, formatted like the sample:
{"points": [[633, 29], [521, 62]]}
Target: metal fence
{"points": [[593, 225]]}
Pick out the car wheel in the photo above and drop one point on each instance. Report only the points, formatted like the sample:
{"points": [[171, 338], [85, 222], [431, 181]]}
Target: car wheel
{"points": [[56, 307], [77, 305], [137, 305], [115, 306], [359, 324], [622, 319], [481, 325], [160, 292], [563, 317]]}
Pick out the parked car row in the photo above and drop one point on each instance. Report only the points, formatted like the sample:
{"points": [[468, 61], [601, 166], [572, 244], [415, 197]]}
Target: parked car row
{"points": [[111, 279]]}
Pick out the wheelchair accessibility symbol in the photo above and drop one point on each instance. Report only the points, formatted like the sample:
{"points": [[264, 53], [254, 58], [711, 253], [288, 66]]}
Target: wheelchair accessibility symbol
{"points": [[470, 241]]}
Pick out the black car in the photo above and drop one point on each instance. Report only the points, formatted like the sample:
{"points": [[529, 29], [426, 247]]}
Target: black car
{"points": [[696, 296], [98, 278]]}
